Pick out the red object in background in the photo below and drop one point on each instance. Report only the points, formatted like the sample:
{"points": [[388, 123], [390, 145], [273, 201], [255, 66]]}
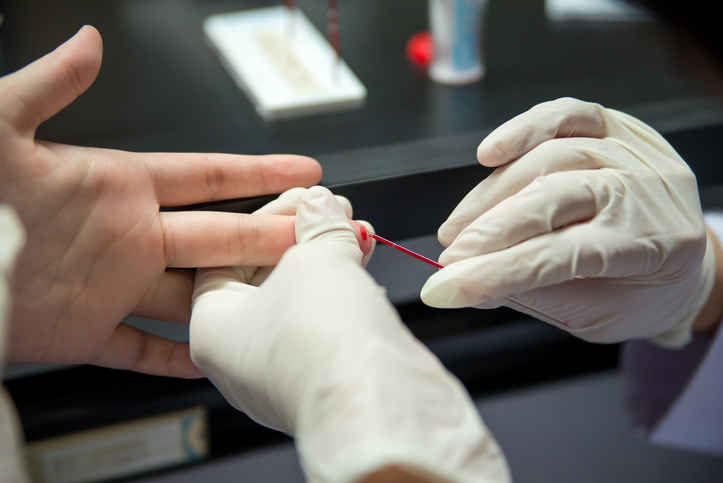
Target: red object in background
{"points": [[420, 49]]}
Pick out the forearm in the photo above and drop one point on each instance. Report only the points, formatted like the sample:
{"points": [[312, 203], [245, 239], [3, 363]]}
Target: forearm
{"points": [[710, 316], [393, 474]]}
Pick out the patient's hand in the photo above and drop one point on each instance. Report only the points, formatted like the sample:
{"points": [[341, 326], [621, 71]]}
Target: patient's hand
{"points": [[98, 247]]}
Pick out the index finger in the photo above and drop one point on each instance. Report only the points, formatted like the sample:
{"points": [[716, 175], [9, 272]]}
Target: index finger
{"points": [[554, 156], [561, 118], [189, 178], [545, 260]]}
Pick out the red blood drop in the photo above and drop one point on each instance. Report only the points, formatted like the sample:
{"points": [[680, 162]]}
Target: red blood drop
{"points": [[362, 236]]}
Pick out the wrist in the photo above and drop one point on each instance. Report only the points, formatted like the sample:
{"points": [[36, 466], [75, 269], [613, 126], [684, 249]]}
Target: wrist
{"points": [[402, 411], [396, 474], [710, 316]]}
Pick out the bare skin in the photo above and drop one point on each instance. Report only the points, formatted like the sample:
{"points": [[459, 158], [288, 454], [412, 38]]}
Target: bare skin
{"points": [[393, 474], [98, 246]]}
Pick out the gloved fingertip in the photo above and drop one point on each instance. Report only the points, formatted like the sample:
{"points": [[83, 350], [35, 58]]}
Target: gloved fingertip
{"points": [[442, 295], [490, 153], [319, 192], [319, 199], [482, 153], [447, 233], [320, 217], [445, 258]]}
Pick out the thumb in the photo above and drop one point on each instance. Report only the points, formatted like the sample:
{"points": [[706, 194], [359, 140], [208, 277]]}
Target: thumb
{"points": [[40, 90], [320, 218]]}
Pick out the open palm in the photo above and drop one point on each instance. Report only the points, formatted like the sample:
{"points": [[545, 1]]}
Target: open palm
{"points": [[99, 247]]}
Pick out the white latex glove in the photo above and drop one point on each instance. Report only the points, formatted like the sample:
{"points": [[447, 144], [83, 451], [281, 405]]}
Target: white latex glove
{"points": [[317, 351], [286, 205], [12, 239], [592, 222]]}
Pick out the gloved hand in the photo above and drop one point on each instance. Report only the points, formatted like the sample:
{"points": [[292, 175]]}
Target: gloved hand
{"points": [[317, 351], [592, 222], [286, 205]]}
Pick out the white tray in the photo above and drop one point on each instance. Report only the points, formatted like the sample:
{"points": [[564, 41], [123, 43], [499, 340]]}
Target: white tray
{"points": [[282, 62]]}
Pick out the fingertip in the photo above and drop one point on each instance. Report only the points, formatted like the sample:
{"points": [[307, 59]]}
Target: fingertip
{"points": [[319, 192], [482, 153], [368, 256], [319, 212], [492, 153], [447, 233], [445, 259], [309, 170], [442, 294], [181, 365], [286, 171], [92, 33], [320, 201], [86, 54], [363, 236], [185, 368]]}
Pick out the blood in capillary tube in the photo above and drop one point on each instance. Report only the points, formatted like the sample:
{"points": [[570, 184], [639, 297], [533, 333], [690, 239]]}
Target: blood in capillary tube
{"points": [[365, 243]]}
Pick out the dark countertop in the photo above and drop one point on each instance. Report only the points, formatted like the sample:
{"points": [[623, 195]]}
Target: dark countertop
{"points": [[162, 89]]}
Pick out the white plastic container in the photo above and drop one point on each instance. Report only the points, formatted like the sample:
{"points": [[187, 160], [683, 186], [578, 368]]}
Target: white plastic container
{"points": [[283, 63], [456, 27]]}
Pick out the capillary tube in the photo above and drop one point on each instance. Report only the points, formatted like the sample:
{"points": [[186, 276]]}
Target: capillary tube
{"points": [[407, 251], [416, 255]]}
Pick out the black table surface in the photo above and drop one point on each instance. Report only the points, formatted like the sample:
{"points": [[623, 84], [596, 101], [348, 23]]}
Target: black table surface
{"points": [[162, 89]]}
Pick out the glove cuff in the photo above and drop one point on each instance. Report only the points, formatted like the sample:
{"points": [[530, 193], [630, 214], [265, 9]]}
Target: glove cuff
{"points": [[679, 335]]}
